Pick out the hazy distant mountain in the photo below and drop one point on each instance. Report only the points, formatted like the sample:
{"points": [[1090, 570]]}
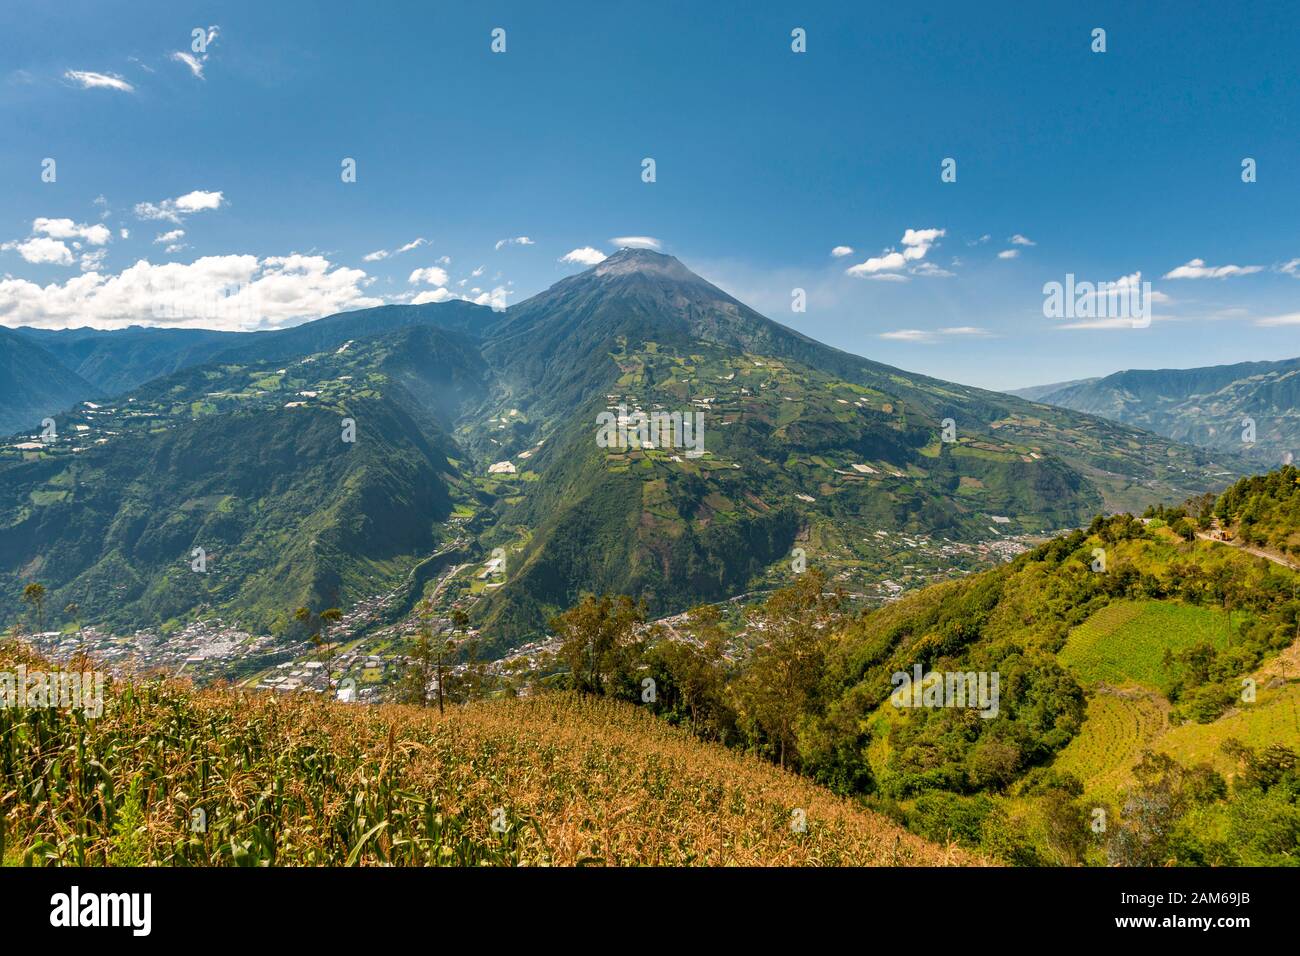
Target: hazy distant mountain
{"points": [[480, 428], [34, 384], [119, 360], [1036, 393], [1203, 406]]}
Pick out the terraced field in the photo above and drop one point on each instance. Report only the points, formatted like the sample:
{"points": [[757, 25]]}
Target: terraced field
{"points": [[1121, 723], [1126, 641], [1274, 718]]}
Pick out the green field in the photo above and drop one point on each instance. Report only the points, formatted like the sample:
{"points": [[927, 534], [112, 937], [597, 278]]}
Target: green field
{"points": [[1274, 718], [1126, 641], [1119, 726]]}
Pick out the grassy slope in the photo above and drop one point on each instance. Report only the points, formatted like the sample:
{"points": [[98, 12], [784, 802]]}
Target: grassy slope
{"points": [[1126, 641], [305, 781]]}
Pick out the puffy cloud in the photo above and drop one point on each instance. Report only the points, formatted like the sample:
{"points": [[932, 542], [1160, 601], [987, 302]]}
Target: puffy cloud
{"points": [[218, 292], [919, 241], [96, 235], [496, 299], [104, 81], [435, 295], [890, 261], [516, 241], [1019, 240], [1009, 254], [170, 236], [583, 256], [636, 242], [433, 275], [175, 210], [840, 251], [41, 250], [916, 244], [1197, 269]]}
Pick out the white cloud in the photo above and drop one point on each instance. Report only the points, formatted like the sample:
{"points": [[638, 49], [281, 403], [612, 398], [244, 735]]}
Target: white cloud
{"points": [[124, 233], [1019, 240], [1291, 268], [1009, 254], [93, 261], [105, 81], [41, 250], [175, 210], [919, 241], [477, 272], [1197, 269], [583, 256], [218, 292], [96, 235], [841, 251], [925, 337], [636, 242], [190, 60], [495, 299], [1291, 318], [1091, 301], [516, 241], [889, 262], [169, 236], [916, 244], [930, 270], [381, 254], [197, 62], [435, 295], [908, 335], [433, 275]]}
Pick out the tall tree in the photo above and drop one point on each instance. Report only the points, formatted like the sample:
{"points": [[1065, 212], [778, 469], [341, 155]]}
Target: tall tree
{"points": [[34, 596], [778, 687], [599, 641]]}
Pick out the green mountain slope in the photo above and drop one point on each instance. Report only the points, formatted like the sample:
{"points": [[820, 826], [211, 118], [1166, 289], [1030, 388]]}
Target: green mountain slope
{"points": [[250, 464], [34, 384], [801, 443], [1183, 648], [1201, 406], [798, 434]]}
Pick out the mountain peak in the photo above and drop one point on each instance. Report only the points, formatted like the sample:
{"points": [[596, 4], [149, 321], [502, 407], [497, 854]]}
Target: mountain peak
{"points": [[646, 261]]}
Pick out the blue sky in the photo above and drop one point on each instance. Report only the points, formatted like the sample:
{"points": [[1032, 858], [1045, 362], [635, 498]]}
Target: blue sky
{"points": [[1106, 165]]}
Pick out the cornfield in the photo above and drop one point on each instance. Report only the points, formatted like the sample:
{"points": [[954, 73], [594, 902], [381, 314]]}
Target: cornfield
{"points": [[174, 776]]}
